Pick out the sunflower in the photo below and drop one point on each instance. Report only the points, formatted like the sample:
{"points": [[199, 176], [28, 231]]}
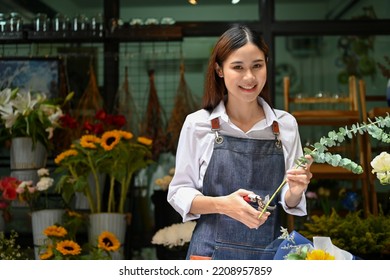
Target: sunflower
{"points": [[144, 140], [47, 254], [125, 134], [110, 139], [74, 214], [108, 241], [63, 155], [319, 255], [55, 231], [89, 141], [68, 247]]}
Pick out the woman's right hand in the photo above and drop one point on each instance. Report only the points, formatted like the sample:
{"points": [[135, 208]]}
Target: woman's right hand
{"points": [[237, 208]]}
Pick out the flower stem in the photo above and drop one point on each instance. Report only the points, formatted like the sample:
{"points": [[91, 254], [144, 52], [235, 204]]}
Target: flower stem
{"points": [[111, 197], [87, 190], [124, 188], [97, 184], [271, 198], [300, 162]]}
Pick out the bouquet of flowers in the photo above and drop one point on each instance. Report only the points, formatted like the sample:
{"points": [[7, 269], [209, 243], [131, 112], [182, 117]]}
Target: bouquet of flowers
{"points": [[116, 153], [175, 235], [32, 195], [8, 186], [61, 244], [97, 125], [296, 247], [26, 114]]}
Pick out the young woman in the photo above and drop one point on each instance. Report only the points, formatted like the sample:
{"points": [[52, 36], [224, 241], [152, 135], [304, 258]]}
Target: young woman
{"points": [[235, 146]]}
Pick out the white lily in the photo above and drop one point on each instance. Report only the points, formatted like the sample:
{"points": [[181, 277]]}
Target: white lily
{"points": [[23, 103]]}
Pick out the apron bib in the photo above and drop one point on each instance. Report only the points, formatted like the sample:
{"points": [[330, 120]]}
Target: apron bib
{"points": [[255, 165]]}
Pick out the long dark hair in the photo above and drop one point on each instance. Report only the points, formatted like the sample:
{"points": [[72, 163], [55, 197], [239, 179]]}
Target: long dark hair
{"points": [[232, 39]]}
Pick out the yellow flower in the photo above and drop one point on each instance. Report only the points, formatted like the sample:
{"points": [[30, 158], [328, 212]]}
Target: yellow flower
{"points": [[63, 155], [68, 247], [144, 140], [89, 141], [74, 214], [109, 155], [56, 231], [110, 139], [319, 255], [125, 134], [323, 192], [108, 241], [48, 254]]}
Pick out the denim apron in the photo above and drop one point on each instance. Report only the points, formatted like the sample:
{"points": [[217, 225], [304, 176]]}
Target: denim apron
{"points": [[255, 165]]}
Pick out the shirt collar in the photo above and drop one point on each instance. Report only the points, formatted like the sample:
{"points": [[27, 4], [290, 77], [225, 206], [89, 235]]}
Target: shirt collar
{"points": [[220, 111]]}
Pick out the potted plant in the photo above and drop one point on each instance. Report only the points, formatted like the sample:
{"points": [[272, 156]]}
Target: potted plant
{"points": [[119, 155], [8, 187], [60, 242], [365, 237], [35, 196], [27, 114]]}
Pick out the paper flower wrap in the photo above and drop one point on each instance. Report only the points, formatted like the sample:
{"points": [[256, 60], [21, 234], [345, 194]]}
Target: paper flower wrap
{"points": [[296, 241]]}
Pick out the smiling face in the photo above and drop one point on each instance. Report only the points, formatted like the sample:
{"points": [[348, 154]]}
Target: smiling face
{"points": [[244, 73]]}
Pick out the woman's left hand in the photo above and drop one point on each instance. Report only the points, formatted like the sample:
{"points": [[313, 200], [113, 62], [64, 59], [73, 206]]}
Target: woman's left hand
{"points": [[298, 180]]}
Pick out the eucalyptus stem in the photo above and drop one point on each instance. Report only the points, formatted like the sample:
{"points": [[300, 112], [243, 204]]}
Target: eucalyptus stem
{"points": [[300, 162], [373, 128]]}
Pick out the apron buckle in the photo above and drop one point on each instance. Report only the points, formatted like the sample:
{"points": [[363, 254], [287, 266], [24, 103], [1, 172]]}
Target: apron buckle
{"points": [[218, 138]]}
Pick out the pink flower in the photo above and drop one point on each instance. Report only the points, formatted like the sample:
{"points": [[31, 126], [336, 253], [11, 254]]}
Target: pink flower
{"points": [[311, 195]]}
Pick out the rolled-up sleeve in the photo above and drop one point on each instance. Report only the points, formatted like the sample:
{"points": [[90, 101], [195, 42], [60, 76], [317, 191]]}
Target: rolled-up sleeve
{"points": [[186, 185]]}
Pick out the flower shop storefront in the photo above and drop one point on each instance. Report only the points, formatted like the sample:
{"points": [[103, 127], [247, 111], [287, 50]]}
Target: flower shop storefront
{"points": [[98, 188]]}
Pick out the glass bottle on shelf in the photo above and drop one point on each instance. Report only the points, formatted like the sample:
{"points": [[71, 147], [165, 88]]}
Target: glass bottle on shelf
{"points": [[80, 23], [3, 22], [15, 22], [60, 23], [97, 25], [41, 22]]}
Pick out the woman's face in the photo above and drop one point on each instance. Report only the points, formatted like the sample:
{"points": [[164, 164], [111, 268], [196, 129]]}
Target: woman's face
{"points": [[245, 73]]}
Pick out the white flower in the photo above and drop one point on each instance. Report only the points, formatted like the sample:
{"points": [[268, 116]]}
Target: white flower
{"points": [[43, 172], [5, 96], [44, 183], [381, 166], [174, 235]]}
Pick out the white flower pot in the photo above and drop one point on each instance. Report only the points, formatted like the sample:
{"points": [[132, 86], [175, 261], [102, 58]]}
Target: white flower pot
{"points": [[23, 156], [112, 222], [81, 201], [40, 220]]}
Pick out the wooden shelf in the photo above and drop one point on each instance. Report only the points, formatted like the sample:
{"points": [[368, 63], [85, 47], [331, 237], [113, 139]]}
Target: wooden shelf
{"points": [[378, 111]]}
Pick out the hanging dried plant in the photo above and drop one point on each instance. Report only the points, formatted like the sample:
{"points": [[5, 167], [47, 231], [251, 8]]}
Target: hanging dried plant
{"points": [[91, 101], [126, 106], [184, 105], [153, 124]]}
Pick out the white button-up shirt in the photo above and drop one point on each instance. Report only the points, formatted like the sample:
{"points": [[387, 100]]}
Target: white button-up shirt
{"points": [[195, 148]]}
